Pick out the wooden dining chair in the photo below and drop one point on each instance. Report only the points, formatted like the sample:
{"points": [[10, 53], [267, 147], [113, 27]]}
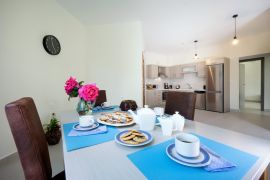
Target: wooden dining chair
{"points": [[30, 140], [101, 98], [183, 102]]}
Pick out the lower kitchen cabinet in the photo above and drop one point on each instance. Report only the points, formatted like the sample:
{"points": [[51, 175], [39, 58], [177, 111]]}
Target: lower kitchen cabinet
{"points": [[153, 98]]}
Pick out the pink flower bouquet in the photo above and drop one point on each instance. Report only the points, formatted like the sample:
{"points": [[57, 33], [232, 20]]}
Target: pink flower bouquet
{"points": [[72, 86], [88, 94]]}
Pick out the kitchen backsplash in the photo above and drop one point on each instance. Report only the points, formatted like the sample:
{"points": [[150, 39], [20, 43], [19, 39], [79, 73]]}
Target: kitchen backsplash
{"points": [[190, 78]]}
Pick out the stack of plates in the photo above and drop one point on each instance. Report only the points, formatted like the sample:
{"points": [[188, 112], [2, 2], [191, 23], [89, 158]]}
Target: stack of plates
{"points": [[202, 160]]}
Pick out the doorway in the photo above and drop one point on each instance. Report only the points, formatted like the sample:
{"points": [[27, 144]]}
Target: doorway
{"points": [[251, 84]]}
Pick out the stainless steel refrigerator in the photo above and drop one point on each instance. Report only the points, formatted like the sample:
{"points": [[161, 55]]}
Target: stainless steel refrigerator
{"points": [[215, 88]]}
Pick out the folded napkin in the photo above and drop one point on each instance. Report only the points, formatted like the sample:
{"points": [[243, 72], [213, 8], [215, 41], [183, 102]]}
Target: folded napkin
{"points": [[99, 130], [218, 163]]}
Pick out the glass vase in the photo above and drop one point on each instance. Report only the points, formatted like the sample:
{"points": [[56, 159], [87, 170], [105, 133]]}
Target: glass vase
{"points": [[84, 107]]}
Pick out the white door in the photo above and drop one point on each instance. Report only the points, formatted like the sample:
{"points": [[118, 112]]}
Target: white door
{"points": [[241, 86]]}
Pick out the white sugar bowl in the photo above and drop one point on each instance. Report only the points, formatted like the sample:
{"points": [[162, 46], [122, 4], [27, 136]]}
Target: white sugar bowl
{"points": [[178, 121]]}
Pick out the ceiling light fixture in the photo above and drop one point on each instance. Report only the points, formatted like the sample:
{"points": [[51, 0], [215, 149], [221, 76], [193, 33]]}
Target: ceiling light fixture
{"points": [[195, 47], [235, 40]]}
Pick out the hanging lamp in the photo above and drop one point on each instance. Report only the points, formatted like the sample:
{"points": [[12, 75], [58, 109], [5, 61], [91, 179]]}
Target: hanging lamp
{"points": [[235, 40], [195, 47]]}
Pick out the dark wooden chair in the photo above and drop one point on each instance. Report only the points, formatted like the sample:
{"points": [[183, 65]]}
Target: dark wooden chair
{"points": [[183, 102], [101, 98], [30, 140]]}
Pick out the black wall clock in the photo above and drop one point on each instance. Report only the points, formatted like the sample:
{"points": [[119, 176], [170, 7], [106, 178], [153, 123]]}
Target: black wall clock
{"points": [[51, 44]]}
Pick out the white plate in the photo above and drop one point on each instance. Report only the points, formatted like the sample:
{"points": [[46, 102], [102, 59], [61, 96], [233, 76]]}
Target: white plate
{"points": [[77, 127], [202, 160], [147, 135], [116, 124]]}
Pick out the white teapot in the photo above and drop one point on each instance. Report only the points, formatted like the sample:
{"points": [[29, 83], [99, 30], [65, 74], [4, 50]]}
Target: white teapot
{"points": [[146, 118], [178, 121]]}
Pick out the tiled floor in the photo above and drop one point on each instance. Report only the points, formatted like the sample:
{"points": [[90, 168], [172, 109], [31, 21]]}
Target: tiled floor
{"points": [[252, 122]]}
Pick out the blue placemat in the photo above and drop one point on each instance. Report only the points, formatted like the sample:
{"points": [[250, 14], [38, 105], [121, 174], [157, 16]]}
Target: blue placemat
{"points": [[155, 164], [73, 143]]}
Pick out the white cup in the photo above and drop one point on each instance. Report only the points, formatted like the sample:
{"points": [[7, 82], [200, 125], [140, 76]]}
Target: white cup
{"points": [[187, 145], [105, 104], [87, 120], [159, 111], [166, 125]]}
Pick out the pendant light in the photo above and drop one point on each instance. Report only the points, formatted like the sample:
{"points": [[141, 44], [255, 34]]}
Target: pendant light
{"points": [[235, 40], [195, 47]]}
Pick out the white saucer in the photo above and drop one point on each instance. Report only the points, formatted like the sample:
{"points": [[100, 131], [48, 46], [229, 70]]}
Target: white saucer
{"points": [[77, 127], [202, 160]]}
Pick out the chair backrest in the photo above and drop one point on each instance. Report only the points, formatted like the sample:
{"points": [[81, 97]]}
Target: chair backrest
{"points": [[183, 102], [101, 98], [30, 139]]}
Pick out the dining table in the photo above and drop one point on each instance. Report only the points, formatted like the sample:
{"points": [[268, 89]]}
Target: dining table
{"points": [[110, 160]]}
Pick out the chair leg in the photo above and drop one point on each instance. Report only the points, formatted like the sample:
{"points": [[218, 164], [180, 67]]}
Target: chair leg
{"points": [[265, 174]]}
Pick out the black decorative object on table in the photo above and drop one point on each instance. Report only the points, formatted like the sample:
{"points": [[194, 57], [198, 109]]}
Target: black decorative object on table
{"points": [[51, 44], [128, 104]]}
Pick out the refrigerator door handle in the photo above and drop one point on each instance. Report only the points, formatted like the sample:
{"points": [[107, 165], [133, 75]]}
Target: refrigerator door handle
{"points": [[213, 91]]}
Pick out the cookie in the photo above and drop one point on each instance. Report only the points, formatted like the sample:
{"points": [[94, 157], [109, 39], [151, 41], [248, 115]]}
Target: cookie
{"points": [[139, 140], [128, 137], [104, 118], [131, 142], [126, 134], [138, 134]]}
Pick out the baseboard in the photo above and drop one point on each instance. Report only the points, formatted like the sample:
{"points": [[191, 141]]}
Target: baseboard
{"points": [[10, 155], [234, 110], [267, 110]]}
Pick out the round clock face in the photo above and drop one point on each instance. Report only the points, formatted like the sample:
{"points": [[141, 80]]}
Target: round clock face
{"points": [[51, 45]]}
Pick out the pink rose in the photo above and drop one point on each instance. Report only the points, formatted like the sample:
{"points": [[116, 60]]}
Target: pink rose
{"points": [[70, 84], [88, 92]]}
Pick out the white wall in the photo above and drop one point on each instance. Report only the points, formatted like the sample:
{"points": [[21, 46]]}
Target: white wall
{"points": [[267, 82], [26, 69], [250, 45], [252, 80], [115, 60]]}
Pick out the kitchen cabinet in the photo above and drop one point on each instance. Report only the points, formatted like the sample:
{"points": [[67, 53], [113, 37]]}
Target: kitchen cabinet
{"points": [[153, 98], [151, 71], [201, 69], [189, 68], [164, 72], [176, 72]]}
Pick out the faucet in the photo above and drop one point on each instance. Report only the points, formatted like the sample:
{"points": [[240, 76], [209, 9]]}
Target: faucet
{"points": [[189, 86]]}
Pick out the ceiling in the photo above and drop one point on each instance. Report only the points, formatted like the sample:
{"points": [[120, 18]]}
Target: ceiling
{"points": [[172, 25]]}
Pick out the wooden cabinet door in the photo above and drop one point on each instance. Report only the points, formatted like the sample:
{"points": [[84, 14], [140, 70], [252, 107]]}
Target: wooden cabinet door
{"points": [[151, 71], [158, 98], [172, 72], [201, 69], [178, 71], [150, 98], [167, 72]]}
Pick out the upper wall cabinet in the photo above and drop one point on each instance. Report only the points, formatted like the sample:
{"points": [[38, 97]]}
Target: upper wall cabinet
{"points": [[201, 69], [164, 72], [176, 72], [189, 68], [151, 71]]}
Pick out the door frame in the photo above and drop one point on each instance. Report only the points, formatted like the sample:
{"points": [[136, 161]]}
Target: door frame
{"points": [[262, 77]]}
